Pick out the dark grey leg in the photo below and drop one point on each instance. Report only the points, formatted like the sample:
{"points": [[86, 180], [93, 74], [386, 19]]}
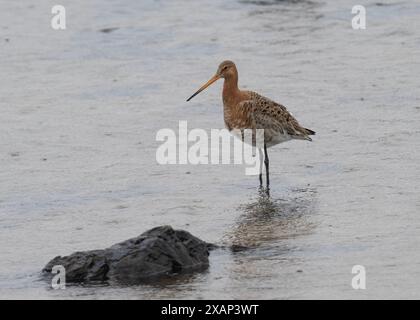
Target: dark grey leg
{"points": [[261, 156], [267, 164]]}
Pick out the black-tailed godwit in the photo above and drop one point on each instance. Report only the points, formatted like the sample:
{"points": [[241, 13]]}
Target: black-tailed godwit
{"points": [[248, 110]]}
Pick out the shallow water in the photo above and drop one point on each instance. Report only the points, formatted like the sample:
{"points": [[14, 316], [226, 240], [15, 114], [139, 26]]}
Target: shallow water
{"points": [[80, 109]]}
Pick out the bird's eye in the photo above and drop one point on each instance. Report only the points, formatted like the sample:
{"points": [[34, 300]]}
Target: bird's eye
{"points": [[225, 68]]}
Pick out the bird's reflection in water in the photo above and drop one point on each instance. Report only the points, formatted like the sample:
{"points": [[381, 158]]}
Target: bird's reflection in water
{"points": [[267, 220], [265, 241]]}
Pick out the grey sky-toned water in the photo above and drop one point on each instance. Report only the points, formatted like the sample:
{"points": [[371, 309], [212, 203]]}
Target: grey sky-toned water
{"points": [[80, 109]]}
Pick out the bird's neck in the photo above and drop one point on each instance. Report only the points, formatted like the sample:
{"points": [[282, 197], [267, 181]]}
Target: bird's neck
{"points": [[231, 91], [231, 98]]}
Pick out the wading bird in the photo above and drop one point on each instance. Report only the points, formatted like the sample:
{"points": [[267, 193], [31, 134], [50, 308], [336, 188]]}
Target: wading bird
{"points": [[249, 110]]}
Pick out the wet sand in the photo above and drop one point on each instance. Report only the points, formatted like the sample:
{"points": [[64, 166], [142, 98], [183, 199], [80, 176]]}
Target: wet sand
{"points": [[80, 109]]}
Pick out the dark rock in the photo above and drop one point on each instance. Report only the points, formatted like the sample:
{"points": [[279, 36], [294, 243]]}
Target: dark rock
{"points": [[158, 252]]}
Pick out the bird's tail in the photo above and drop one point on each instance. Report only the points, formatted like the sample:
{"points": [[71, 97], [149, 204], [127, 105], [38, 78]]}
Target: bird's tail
{"points": [[303, 134], [309, 132]]}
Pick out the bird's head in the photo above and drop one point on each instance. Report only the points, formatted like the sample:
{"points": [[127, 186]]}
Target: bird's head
{"points": [[226, 70]]}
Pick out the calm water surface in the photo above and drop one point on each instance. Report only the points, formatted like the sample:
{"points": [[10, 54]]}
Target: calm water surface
{"points": [[80, 109]]}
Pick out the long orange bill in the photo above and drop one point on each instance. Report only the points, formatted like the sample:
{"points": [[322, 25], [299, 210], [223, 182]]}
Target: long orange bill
{"points": [[213, 79]]}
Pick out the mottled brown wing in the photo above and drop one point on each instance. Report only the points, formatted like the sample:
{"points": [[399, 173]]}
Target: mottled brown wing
{"points": [[273, 116]]}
